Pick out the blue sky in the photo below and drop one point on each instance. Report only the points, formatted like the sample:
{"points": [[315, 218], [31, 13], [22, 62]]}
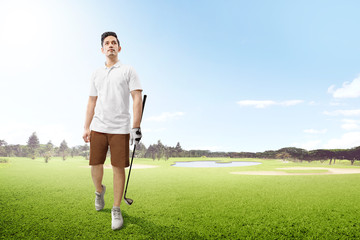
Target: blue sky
{"points": [[219, 75]]}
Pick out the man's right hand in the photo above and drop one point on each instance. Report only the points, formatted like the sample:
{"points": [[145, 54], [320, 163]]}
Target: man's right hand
{"points": [[86, 135]]}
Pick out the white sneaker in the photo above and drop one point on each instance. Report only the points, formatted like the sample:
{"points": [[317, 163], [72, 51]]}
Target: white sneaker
{"points": [[99, 199], [116, 218]]}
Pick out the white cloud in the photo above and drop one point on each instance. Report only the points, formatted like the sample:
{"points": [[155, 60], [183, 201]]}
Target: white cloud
{"points": [[348, 89], [353, 112], [290, 102], [347, 140], [267, 103], [350, 124], [165, 116], [314, 131]]}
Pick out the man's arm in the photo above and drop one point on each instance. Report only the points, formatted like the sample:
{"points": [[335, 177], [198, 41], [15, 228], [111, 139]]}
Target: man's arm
{"points": [[89, 116], [137, 107]]}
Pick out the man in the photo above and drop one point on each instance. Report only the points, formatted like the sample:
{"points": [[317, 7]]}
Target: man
{"points": [[108, 114]]}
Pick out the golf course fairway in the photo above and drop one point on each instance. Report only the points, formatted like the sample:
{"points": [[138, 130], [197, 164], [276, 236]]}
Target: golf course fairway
{"points": [[55, 200]]}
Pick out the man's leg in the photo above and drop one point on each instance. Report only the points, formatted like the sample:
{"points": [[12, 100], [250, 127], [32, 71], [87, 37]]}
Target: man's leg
{"points": [[119, 182], [98, 150], [119, 148], [97, 172]]}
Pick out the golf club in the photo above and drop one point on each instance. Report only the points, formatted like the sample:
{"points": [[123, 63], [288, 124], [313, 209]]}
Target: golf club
{"points": [[129, 201]]}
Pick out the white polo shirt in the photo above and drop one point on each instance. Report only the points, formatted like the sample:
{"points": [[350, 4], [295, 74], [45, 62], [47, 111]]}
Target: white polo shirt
{"points": [[112, 86]]}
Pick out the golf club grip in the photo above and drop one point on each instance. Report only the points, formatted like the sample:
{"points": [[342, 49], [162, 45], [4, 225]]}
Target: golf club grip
{"points": [[143, 106]]}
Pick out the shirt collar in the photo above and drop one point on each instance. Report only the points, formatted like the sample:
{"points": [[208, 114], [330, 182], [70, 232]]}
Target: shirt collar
{"points": [[117, 64]]}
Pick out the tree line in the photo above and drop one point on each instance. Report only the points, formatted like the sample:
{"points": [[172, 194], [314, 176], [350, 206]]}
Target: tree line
{"points": [[159, 151], [34, 149], [299, 154]]}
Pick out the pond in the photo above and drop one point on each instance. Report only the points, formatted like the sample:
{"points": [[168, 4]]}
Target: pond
{"points": [[200, 164]]}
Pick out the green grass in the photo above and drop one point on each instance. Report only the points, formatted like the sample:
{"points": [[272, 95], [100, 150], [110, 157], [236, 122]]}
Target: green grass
{"points": [[55, 200]]}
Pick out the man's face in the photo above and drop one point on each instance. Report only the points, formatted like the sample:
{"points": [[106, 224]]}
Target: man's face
{"points": [[110, 47]]}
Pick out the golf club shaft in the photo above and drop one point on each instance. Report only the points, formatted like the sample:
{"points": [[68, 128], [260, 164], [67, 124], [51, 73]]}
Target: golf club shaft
{"points": [[132, 158]]}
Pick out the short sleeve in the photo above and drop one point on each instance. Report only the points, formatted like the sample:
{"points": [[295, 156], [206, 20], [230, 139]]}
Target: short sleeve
{"points": [[134, 82], [93, 91]]}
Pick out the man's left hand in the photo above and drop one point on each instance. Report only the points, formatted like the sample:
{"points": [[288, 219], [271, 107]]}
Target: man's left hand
{"points": [[135, 136]]}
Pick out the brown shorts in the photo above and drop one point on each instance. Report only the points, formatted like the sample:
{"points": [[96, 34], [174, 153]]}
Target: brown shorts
{"points": [[119, 148]]}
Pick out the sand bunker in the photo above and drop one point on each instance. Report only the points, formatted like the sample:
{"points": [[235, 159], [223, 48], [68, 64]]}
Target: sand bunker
{"points": [[329, 171]]}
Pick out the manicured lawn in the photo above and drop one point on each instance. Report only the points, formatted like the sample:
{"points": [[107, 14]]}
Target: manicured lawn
{"points": [[55, 200]]}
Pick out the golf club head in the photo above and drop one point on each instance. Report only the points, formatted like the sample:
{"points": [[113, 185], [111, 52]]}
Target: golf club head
{"points": [[128, 201]]}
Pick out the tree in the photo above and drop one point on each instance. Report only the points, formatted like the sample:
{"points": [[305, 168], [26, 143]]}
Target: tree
{"points": [[49, 148], [321, 154], [3, 151], [178, 150], [73, 152], [140, 150], [167, 152], [3, 143], [354, 154], [283, 155], [296, 153], [33, 144], [267, 154], [3, 146], [151, 152], [160, 150], [18, 150], [63, 149], [85, 150], [171, 152]]}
